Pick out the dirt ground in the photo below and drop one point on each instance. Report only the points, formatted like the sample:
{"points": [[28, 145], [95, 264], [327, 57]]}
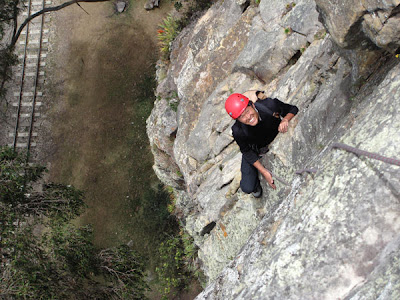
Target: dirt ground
{"points": [[98, 70]]}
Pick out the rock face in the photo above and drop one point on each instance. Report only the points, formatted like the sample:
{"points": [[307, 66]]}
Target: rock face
{"points": [[354, 22], [329, 235]]}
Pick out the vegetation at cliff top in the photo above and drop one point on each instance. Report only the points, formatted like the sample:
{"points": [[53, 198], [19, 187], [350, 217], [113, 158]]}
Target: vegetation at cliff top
{"points": [[173, 24]]}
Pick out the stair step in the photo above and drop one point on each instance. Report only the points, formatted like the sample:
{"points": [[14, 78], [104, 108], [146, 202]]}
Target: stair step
{"points": [[23, 145], [22, 134], [42, 64], [28, 94], [25, 13], [34, 42], [30, 56], [27, 104], [36, 31], [31, 74], [26, 115]]}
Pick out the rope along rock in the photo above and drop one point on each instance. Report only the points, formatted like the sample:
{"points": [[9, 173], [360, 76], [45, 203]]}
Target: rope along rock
{"points": [[301, 171], [393, 161]]}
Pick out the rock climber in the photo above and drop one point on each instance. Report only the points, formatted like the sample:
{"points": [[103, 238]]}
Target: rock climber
{"points": [[258, 121]]}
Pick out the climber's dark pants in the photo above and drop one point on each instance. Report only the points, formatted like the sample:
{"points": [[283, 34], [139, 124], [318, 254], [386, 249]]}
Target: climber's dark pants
{"points": [[250, 180]]}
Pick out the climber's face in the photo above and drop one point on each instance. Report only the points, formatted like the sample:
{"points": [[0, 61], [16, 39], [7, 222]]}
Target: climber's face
{"points": [[249, 116]]}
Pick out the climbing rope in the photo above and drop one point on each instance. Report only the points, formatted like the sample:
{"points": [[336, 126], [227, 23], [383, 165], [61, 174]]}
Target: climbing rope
{"points": [[312, 170], [278, 178], [392, 161], [348, 148]]}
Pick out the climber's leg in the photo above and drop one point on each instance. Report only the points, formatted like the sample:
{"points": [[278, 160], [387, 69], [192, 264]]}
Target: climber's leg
{"points": [[250, 181]]}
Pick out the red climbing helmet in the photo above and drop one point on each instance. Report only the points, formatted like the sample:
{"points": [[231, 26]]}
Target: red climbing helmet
{"points": [[236, 104]]}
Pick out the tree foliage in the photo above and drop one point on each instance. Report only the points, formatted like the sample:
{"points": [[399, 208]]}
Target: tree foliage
{"points": [[43, 255], [9, 10], [178, 254], [124, 267]]}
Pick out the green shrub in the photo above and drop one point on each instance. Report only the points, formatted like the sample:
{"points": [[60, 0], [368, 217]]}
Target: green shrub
{"points": [[177, 254], [178, 5], [288, 30], [166, 35]]}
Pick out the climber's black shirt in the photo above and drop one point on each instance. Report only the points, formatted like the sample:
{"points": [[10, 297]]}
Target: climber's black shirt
{"points": [[251, 138]]}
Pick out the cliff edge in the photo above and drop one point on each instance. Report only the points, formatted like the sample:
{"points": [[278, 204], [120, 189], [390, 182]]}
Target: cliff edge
{"points": [[331, 228]]}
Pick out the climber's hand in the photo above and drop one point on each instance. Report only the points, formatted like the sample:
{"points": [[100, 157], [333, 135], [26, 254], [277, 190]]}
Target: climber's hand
{"points": [[283, 126], [268, 177]]}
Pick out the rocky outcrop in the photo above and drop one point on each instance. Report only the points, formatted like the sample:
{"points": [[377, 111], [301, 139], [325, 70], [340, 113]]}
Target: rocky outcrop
{"points": [[357, 23], [150, 4], [338, 227]]}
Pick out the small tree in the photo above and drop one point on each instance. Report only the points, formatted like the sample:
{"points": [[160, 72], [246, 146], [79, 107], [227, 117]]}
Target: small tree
{"points": [[121, 266]]}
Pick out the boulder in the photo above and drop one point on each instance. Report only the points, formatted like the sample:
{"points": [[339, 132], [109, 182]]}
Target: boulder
{"points": [[278, 36], [120, 6], [150, 4]]}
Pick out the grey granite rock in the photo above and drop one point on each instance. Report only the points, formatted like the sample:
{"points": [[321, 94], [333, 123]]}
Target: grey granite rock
{"points": [[352, 23], [150, 4], [120, 6], [337, 228]]}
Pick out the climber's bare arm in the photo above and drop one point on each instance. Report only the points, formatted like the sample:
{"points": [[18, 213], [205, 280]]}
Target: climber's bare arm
{"points": [[265, 173], [284, 125]]}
